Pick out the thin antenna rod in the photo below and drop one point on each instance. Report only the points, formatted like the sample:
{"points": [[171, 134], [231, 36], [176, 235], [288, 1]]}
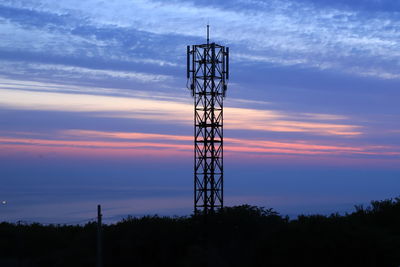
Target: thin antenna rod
{"points": [[208, 34]]}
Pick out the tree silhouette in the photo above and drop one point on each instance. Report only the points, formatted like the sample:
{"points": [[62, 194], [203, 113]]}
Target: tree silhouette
{"points": [[234, 236]]}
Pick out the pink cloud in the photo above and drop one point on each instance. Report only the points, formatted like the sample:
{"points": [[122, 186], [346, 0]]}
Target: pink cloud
{"points": [[128, 144]]}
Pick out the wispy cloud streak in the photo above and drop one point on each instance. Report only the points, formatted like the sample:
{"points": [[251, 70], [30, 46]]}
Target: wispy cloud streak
{"points": [[163, 111], [281, 32], [134, 143]]}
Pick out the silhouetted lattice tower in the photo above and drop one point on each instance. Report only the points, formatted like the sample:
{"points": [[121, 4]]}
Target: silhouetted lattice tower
{"points": [[207, 73]]}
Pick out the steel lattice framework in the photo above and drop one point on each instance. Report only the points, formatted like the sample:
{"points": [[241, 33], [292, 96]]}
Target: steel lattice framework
{"points": [[207, 73]]}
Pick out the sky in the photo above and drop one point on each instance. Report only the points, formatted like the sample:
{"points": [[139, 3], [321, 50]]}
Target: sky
{"points": [[94, 107]]}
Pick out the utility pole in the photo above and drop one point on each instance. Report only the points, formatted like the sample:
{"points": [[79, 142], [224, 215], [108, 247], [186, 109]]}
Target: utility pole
{"points": [[99, 262]]}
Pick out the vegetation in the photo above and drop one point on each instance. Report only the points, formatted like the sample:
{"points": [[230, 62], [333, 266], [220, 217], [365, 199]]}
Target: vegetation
{"points": [[237, 236]]}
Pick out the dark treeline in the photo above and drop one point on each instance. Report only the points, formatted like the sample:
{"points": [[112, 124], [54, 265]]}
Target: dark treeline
{"points": [[237, 236]]}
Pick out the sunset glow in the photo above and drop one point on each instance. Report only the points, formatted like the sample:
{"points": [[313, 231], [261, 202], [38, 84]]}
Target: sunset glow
{"points": [[94, 105]]}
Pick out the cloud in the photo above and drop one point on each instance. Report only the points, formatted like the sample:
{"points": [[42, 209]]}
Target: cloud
{"points": [[54, 87], [275, 121], [123, 135], [72, 72], [164, 111], [281, 32], [98, 143]]}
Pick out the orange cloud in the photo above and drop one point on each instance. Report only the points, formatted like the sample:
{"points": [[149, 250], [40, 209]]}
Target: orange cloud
{"points": [[161, 109], [268, 120], [125, 135]]}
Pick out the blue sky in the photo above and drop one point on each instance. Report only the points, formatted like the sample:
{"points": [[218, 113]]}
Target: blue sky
{"points": [[94, 106]]}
